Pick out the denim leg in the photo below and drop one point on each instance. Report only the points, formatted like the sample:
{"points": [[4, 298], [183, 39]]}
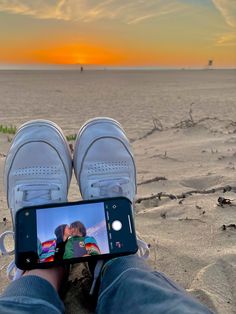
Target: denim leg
{"points": [[129, 286], [30, 294]]}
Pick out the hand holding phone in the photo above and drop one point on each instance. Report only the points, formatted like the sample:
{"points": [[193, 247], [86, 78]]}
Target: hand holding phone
{"points": [[54, 234]]}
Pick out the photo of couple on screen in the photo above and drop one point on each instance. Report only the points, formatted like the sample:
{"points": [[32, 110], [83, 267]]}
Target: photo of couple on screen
{"points": [[72, 241], [64, 233]]}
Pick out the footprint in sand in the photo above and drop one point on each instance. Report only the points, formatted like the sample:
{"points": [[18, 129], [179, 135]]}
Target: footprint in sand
{"points": [[215, 285], [231, 140], [202, 183]]}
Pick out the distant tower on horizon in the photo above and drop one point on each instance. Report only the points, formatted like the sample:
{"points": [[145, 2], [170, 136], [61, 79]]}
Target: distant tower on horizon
{"points": [[210, 63]]}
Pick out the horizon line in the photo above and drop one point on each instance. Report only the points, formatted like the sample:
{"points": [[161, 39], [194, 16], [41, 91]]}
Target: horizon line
{"points": [[104, 67]]}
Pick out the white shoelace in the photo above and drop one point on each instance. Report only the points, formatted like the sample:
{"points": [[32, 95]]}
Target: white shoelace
{"points": [[31, 195], [111, 187], [38, 194]]}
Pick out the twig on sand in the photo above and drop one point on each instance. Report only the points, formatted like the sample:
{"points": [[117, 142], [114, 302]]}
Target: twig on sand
{"points": [[191, 219], [157, 126], [187, 123], [155, 196], [160, 195], [165, 156], [152, 180]]}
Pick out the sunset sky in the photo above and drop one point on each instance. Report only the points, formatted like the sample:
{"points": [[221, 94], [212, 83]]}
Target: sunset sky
{"points": [[160, 33]]}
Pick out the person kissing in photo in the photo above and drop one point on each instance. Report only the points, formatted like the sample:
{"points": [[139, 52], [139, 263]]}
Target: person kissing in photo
{"points": [[80, 244], [63, 233]]}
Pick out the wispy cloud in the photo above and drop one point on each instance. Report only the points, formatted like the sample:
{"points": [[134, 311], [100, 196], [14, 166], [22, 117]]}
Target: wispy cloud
{"points": [[37, 8], [99, 227], [142, 18], [228, 39], [228, 10], [163, 9], [127, 11]]}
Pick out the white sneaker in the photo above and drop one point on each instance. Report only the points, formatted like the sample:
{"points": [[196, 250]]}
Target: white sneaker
{"points": [[37, 170], [103, 162]]}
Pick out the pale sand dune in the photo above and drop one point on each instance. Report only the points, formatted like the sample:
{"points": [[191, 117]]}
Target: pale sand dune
{"points": [[186, 235], [216, 282]]}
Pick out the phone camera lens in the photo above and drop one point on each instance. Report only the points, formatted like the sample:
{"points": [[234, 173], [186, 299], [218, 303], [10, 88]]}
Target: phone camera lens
{"points": [[26, 213]]}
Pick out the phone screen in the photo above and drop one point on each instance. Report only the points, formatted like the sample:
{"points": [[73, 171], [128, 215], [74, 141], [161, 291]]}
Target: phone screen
{"points": [[71, 231]]}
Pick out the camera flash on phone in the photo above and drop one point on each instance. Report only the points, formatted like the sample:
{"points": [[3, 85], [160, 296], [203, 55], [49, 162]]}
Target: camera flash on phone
{"points": [[26, 213]]}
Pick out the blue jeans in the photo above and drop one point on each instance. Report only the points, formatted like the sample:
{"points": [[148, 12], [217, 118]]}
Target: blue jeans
{"points": [[128, 286]]}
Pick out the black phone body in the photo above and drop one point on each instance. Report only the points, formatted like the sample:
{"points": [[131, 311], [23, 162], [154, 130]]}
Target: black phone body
{"points": [[55, 234]]}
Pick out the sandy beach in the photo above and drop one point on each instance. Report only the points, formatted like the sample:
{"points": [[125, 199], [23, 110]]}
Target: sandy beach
{"points": [[182, 125]]}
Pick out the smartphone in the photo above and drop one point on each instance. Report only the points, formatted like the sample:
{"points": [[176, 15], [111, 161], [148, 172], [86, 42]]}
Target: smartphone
{"points": [[55, 234]]}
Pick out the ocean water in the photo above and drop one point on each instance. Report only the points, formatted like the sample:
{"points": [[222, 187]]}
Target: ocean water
{"points": [[69, 97]]}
